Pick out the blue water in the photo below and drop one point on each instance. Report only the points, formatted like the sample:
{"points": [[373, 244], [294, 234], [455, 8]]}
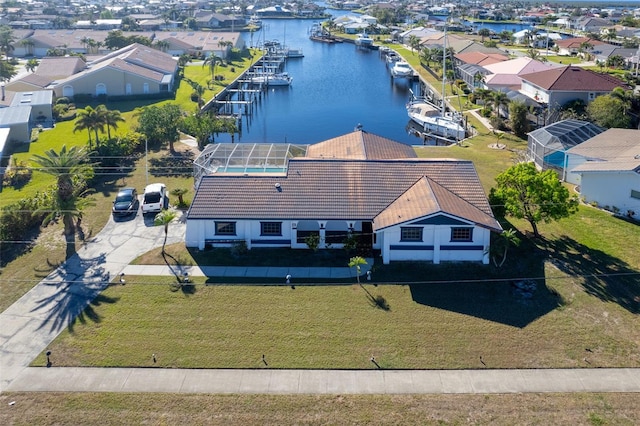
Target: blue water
{"points": [[335, 87]]}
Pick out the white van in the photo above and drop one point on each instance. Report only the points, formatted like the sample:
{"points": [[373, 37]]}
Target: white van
{"points": [[153, 198]]}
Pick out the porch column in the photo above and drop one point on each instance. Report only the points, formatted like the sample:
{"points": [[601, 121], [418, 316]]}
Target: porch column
{"points": [[294, 232], [436, 246], [323, 225]]}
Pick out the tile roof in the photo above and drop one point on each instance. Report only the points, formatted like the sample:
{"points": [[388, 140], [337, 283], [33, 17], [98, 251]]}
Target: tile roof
{"points": [[344, 190], [574, 79], [612, 150], [426, 197], [481, 58], [576, 42], [518, 66], [360, 145]]}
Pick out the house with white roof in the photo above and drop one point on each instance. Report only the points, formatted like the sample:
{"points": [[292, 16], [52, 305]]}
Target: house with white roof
{"points": [[507, 75], [607, 170]]}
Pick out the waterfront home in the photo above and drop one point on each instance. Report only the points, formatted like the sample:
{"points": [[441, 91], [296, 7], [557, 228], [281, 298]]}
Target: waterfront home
{"points": [[507, 75], [557, 86], [407, 208], [573, 46]]}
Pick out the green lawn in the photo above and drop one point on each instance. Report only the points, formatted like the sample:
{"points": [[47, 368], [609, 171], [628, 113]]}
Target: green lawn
{"points": [[157, 409]]}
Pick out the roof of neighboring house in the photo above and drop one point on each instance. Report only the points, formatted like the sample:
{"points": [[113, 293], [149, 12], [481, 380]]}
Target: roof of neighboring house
{"points": [[612, 150], [37, 97], [136, 59], [59, 66], [207, 41], [518, 66], [575, 43], [360, 145], [72, 39], [574, 79], [349, 189], [481, 58], [9, 116]]}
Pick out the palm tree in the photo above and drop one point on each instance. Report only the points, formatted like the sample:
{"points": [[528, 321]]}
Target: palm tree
{"points": [[91, 120], [483, 32], [501, 246], [28, 44], [584, 49], [414, 42], [31, 65], [534, 54], [179, 192], [66, 166], [111, 119], [6, 40], [499, 99], [355, 262], [165, 217], [426, 55], [212, 60]]}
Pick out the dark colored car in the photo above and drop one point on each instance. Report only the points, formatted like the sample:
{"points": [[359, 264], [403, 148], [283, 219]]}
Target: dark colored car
{"points": [[126, 202]]}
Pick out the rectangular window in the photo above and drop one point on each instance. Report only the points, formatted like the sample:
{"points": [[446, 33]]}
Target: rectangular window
{"points": [[461, 234], [225, 228], [635, 194], [271, 228], [410, 234]]}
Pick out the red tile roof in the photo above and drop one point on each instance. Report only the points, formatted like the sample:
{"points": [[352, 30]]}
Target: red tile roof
{"points": [[348, 190], [574, 79]]}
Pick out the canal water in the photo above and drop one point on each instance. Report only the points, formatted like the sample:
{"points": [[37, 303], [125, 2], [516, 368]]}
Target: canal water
{"points": [[335, 88]]}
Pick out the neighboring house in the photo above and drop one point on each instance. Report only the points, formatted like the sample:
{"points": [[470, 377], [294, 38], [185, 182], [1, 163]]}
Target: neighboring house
{"points": [[273, 12], [199, 42], [557, 86], [547, 146], [408, 208], [19, 122], [571, 46], [469, 66], [508, 75], [607, 51], [131, 71], [99, 24], [607, 170], [50, 69], [593, 25], [40, 102]]}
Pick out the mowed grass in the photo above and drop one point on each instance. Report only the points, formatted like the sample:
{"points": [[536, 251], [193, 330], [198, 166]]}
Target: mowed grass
{"points": [[445, 324], [126, 408]]}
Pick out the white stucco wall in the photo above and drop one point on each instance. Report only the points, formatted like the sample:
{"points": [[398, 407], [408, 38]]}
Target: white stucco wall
{"points": [[612, 190]]}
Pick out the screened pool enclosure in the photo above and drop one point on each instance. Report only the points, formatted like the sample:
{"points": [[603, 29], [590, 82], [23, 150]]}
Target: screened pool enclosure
{"points": [[245, 158], [547, 146]]}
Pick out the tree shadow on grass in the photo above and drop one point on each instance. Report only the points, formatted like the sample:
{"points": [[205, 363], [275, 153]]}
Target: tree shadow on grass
{"points": [[603, 276], [71, 292], [515, 294], [181, 274], [179, 164]]}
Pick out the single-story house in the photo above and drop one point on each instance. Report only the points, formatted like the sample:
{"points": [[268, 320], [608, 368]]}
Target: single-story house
{"points": [[408, 208], [50, 69], [607, 170], [571, 46], [557, 86], [130, 71]]}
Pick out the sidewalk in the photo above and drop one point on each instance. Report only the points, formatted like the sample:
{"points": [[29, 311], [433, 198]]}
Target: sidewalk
{"points": [[249, 271], [265, 381]]}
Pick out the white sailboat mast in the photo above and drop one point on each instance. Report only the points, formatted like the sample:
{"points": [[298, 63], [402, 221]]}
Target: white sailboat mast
{"points": [[444, 66]]}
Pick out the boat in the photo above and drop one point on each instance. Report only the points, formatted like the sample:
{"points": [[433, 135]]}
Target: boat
{"points": [[434, 120], [401, 69], [272, 79], [392, 58], [363, 40], [294, 53]]}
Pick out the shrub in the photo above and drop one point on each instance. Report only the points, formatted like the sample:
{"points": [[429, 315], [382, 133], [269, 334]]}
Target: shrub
{"points": [[312, 241], [63, 100], [239, 249], [17, 174]]}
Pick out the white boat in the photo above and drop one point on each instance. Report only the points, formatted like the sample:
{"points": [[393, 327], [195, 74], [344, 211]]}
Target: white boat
{"points": [[392, 58], [434, 120], [401, 69], [276, 79], [363, 40]]}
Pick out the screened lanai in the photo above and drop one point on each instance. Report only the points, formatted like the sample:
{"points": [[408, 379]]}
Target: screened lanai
{"points": [[547, 146], [245, 158]]}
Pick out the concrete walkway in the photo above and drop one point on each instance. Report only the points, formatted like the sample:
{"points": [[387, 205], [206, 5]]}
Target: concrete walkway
{"points": [[248, 271], [265, 381]]}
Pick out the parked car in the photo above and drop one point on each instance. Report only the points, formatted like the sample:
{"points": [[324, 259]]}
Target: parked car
{"points": [[126, 202], [153, 199]]}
